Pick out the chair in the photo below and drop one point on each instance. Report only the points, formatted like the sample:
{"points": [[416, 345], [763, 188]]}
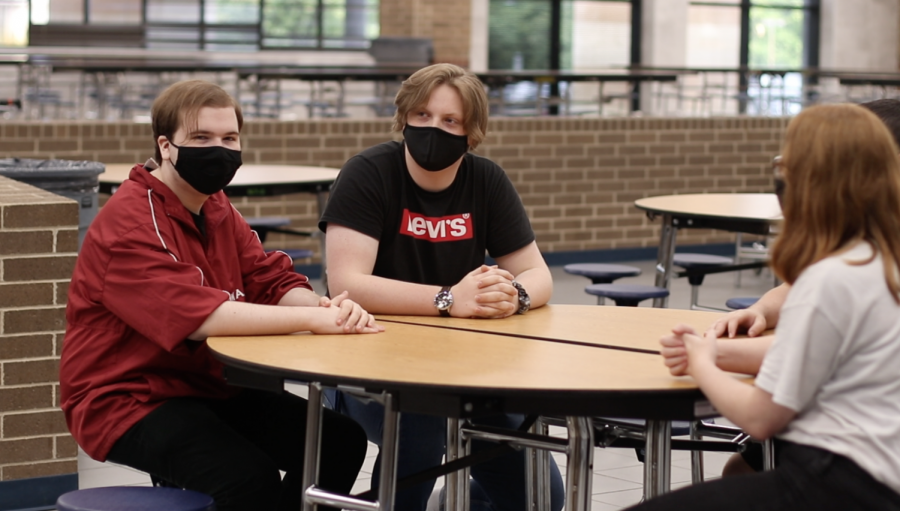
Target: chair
{"points": [[741, 302], [134, 498], [699, 261], [625, 295], [602, 273]]}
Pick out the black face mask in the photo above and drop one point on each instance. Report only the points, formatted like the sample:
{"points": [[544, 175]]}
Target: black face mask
{"points": [[207, 169], [433, 148]]}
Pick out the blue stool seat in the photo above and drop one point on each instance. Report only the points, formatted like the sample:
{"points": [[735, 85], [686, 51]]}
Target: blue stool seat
{"points": [[626, 295], [602, 273], [741, 302], [688, 261], [297, 253], [134, 498], [262, 224]]}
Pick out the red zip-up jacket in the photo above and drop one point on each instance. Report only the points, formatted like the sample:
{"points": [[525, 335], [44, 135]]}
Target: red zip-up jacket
{"points": [[145, 279]]}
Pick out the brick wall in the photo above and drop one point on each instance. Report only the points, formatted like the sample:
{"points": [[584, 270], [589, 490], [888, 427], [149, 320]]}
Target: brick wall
{"points": [[577, 177], [38, 242]]}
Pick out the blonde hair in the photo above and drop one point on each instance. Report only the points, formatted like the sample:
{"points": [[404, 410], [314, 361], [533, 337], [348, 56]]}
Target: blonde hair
{"points": [[179, 105], [416, 90], [842, 184]]}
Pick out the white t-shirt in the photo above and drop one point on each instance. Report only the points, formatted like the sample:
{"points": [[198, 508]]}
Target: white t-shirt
{"points": [[836, 362]]}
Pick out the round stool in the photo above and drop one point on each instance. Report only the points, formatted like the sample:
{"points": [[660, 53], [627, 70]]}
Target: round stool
{"points": [[688, 261], [297, 253], [134, 498], [626, 295], [602, 273], [741, 302]]}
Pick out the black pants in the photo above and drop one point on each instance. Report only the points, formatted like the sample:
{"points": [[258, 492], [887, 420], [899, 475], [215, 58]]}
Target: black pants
{"points": [[806, 479], [233, 449]]}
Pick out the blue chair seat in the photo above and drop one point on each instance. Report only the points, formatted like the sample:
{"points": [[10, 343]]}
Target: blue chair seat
{"points": [[741, 302], [134, 498], [602, 273], [297, 253], [262, 224], [626, 295]]}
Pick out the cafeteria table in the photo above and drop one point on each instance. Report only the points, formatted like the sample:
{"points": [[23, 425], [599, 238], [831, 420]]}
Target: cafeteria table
{"points": [[752, 213], [255, 181], [425, 367]]}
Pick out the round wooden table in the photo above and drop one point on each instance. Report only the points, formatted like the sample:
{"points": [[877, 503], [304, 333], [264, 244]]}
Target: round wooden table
{"points": [[752, 213], [569, 360]]}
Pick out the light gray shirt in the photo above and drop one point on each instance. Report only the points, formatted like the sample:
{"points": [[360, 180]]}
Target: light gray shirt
{"points": [[836, 362]]}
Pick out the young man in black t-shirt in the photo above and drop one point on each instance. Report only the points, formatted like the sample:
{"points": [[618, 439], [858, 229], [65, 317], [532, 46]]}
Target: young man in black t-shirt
{"points": [[407, 227]]}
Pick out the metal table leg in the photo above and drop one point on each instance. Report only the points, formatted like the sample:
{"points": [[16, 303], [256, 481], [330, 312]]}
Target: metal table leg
{"points": [[451, 480], [313, 495], [580, 464], [657, 458], [537, 471], [664, 258]]}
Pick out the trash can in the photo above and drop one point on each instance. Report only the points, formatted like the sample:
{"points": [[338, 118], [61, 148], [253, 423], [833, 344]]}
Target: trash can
{"points": [[76, 180]]}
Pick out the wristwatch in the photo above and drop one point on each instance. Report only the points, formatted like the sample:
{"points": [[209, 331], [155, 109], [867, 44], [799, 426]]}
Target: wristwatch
{"points": [[524, 299], [443, 301]]}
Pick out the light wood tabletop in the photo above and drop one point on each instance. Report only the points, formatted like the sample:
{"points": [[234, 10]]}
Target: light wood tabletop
{"points": [[748, 206], [610, 327], [247, 175]]}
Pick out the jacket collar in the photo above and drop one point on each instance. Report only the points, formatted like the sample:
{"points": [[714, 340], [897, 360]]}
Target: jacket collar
{"points": [[214, 209]]}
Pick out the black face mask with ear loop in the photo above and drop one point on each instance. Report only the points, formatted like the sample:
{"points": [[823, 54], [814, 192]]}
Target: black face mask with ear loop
{"points": [[432, 148], [207, 169]]}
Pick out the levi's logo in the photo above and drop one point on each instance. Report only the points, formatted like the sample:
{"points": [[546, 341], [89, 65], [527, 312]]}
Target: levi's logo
{"points": [[445, 228]]}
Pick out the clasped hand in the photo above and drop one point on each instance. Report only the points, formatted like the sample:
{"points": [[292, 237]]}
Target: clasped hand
{"points": [[684, 351], [342, 315], [485, 292]]}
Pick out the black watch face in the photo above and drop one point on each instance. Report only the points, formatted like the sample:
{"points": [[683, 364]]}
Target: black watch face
{"points": [[443, 300]]}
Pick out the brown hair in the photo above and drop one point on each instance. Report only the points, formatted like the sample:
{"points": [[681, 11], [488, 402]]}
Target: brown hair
{"points": [[416, 90], [842, 184], [179, 105]]}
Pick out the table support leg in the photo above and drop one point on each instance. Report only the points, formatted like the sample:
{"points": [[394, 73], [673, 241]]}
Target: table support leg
{"points": [[664, 258], [658, 458], [580, 464], [389, 446], [769, 454], [696, 456], [451, 480], [462, 499], [313, 442], [537, 467]]}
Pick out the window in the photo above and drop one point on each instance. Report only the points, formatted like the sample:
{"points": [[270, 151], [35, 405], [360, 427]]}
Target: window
{"points": [[213, 24], [593, 34], [13, 22]]}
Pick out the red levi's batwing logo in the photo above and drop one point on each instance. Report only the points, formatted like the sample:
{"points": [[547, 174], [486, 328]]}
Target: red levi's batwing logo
{"points": [[437, 229]]}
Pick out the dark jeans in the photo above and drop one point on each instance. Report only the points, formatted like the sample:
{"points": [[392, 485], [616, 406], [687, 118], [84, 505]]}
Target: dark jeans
{"points": [[806, 479], [497, 484], [233, 449]]}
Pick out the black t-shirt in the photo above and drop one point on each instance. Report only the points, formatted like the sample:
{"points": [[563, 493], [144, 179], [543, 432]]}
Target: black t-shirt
{"points": [[433, 238]]}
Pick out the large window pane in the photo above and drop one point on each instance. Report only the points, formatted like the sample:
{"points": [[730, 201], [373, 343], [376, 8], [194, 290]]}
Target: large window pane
{"points": [[596, 34], [519, 34], [290, 23], [117, 12], [173, 11], [713, 36], [776, 37], [231, 11], [66, 11], [13, 22]]}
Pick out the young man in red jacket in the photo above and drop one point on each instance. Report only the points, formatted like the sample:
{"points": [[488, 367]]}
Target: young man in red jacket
{"points": [[167, 263]]}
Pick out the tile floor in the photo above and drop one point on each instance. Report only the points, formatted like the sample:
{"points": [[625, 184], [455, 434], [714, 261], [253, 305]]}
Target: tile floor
{"points": [[618, 475]]}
